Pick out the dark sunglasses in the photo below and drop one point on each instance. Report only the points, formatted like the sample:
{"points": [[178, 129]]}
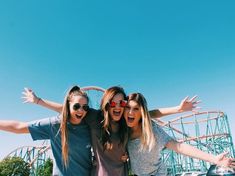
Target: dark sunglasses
{"points": [[122, 103], [77, 106]]}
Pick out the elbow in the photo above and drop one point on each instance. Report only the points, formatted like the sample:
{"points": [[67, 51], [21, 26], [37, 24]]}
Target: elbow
{"points": [[174, 145], [21, 128]]}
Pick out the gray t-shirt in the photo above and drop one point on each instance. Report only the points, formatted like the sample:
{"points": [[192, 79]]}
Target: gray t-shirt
{"points": [[145, 163], [108, 162], [79, 144]]}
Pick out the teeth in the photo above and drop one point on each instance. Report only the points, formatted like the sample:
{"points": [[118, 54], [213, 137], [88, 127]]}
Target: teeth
{"points": [[117, 113], [78, 116]]}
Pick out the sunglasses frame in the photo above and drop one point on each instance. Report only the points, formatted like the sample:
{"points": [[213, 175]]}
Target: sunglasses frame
{"points": [[77, 106], [122, 103]]}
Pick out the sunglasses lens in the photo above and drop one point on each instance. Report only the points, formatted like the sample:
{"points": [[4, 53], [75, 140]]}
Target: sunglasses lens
{"points": [[123, 103], [85, 107], [76, 106], [112, 104]]}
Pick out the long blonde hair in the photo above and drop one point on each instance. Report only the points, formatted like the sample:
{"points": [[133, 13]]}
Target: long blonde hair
{"points": [[106, 125], [65, 114], [147, 136]]}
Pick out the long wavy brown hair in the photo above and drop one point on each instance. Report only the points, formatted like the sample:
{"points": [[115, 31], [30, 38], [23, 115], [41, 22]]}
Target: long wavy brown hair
{"points": [[106, 130], [65, 114]]}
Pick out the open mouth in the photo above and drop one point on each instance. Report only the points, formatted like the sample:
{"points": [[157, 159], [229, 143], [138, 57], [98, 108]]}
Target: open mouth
{"points": [[117, 112], [130, 119], [78, 116]]}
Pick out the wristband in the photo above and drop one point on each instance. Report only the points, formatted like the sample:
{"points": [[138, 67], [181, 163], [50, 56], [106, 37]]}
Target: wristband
{"points": [[38, 100]]}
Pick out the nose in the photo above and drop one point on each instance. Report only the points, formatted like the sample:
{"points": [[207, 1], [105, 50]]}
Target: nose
{"points": [[130, 111]]}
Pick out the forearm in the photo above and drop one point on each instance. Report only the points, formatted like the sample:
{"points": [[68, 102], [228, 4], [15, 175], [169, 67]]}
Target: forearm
{"points": [[158, 113], [191, 151], [50, 105], [14, 126]]}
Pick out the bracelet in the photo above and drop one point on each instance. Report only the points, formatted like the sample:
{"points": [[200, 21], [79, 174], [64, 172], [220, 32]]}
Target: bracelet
{"points": [[38, 100]]}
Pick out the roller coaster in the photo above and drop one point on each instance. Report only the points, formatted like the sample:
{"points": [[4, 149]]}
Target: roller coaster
{"points": [[208, 131]]}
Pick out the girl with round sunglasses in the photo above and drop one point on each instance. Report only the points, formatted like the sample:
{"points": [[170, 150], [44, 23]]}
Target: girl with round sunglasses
{"points": [[69, 135], [147, 139], [108, 127]]}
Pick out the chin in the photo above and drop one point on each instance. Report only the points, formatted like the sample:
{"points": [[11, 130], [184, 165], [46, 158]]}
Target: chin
{"points": [[116, 119], [130, 125], [78, 120]]}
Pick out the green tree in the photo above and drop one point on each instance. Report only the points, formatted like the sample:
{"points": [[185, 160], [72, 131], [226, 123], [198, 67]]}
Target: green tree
{"points": [[14, 166], [45, 169]]}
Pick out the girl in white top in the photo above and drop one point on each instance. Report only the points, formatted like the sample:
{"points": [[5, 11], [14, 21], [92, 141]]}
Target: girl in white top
{"points": [[147, 139]]}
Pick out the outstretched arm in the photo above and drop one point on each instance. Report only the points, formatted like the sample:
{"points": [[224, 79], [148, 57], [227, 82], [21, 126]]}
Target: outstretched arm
{"points": [[14, 126], [185, 105], [188, 150], [31, 97]]}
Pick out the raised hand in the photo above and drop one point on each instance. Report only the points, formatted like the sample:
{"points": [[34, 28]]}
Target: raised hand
{"points": [[29, 96], [222, 160], [189, 104]]}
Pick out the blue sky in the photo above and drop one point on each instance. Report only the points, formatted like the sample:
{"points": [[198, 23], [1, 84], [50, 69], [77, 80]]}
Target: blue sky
{"points": [[165, 50]]}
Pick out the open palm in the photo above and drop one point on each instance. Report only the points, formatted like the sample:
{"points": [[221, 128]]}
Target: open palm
{"points": [[29, 96], [189, 104]]}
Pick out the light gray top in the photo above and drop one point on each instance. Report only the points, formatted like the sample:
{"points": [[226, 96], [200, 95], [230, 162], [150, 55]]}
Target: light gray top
{"points": [[146, 163]]}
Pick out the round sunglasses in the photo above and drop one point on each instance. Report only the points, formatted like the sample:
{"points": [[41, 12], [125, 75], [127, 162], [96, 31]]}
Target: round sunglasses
{"points": [[77, 106]]}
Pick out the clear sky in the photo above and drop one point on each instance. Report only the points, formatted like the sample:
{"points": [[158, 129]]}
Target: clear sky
{"points": [[165, 50]]}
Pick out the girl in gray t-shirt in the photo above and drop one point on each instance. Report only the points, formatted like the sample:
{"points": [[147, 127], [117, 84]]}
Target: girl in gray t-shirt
{"points": [[147, 139]]}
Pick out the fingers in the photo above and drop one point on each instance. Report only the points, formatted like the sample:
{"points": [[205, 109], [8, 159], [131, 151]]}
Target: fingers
{"points": [[223, 155], [24, 93], [232, 165], [185, 99], [196, 102], [27, 95], [25, 99], [27, 89], [196, 108], [193, 98], [124, 157]]}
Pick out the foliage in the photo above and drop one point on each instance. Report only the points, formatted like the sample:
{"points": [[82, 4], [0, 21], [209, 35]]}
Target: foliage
{"points": [[45, 169], [14, 166]]}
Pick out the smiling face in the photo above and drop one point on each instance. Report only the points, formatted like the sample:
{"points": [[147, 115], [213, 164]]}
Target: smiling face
{"points": [[132, 114], [117, 110], [77, 105]]}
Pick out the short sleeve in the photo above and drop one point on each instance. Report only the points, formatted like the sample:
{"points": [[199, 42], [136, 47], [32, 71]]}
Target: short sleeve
{"points": [[162, 137], [40, 129], [93, 118]]}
